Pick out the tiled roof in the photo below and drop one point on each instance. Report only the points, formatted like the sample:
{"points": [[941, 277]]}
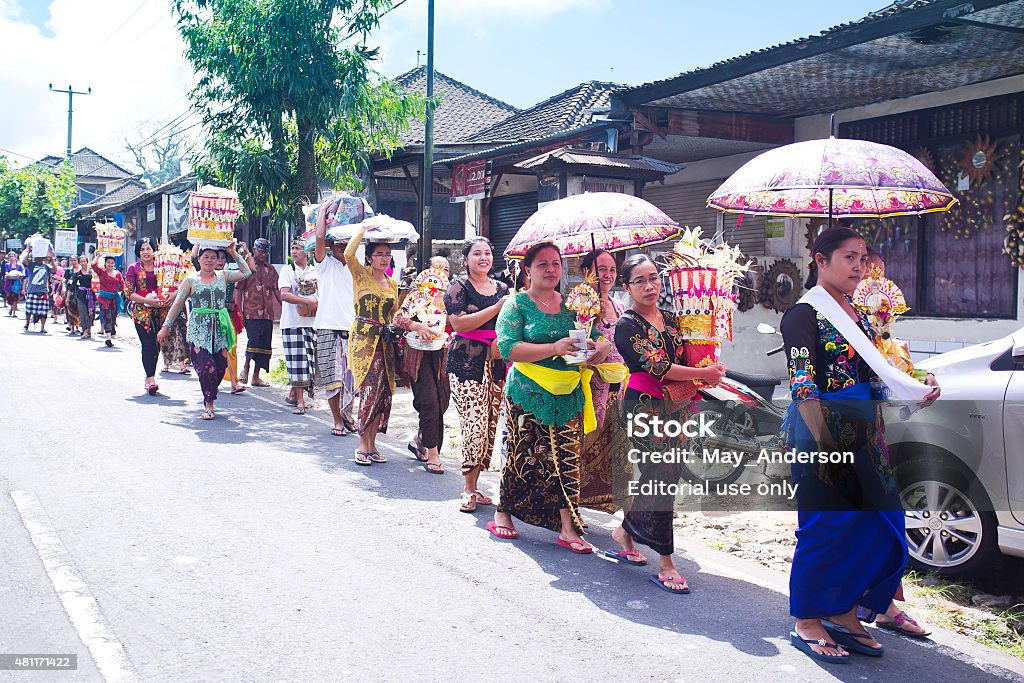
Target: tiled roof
{"points": [[463, 110], [564, 111], [87, 163], [128, 190], [907, 48]]}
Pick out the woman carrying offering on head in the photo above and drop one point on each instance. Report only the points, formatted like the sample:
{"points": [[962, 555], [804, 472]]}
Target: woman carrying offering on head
{"points": [[210, 332], [371, 357], [653, 347], [111, 284], [86, 297], [851, 547], [475, 370], [548, 413]]}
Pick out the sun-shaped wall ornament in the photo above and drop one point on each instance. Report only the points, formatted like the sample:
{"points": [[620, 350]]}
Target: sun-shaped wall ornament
{"points": [[925, 157], [979, 161]]}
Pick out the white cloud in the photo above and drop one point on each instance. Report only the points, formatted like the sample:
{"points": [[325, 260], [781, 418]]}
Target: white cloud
{"points": [[135, 68], [139, 77]]}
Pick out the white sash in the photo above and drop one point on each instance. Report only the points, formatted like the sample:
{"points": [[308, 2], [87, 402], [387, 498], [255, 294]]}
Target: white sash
{"points": [[901, 385]]}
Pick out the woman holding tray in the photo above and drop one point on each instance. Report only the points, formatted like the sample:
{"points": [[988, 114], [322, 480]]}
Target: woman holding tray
{"points": [[210, 332], [548, 413], [422, 313], [145, 307], [652, 347]]}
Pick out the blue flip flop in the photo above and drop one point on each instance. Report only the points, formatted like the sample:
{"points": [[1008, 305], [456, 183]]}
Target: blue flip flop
{"points": [[804, 645], [851, 641], [660, 583], [624, 556]]}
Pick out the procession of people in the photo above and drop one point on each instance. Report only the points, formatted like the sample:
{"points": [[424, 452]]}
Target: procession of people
{"points": [[501, 356]]}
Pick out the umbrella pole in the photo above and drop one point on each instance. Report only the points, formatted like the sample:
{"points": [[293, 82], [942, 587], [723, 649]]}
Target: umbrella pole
{"points": [[830, 190], [593, 247]]}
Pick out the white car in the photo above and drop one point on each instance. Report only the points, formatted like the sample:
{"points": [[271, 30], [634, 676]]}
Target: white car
{"points": [[960, 462]]}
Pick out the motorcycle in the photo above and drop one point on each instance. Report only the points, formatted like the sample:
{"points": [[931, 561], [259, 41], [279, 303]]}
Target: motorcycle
{"points": [[745, 422]]}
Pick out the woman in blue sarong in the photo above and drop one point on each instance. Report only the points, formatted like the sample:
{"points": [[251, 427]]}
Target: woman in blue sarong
{"points": [[851, 546]]}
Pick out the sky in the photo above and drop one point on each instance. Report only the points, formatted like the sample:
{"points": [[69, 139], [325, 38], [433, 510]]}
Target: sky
{"points": [[519, 51]]}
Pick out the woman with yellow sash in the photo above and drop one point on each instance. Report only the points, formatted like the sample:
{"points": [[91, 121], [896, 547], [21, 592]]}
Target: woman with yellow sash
{"points": [[604, 469], [210, 333], [549, 406]]}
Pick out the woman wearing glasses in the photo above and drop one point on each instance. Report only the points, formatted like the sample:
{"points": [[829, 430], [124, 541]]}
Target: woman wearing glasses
{"points": [[547, 410], [371, 359], [652, 347]]}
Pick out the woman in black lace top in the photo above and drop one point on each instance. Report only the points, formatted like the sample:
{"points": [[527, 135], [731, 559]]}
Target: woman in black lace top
{"points": [[477, 375]]}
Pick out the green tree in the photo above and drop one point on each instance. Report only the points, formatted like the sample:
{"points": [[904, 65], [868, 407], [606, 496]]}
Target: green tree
{"points": [[35, 198], [289, 96]]}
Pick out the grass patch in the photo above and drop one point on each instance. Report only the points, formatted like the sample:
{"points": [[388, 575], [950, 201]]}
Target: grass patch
{"points": [[949, 605], [278, 373]]}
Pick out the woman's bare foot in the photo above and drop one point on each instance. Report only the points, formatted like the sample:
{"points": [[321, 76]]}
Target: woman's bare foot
{"points": [[622, 537], [850, 622], [505, 528], [811, 629]]}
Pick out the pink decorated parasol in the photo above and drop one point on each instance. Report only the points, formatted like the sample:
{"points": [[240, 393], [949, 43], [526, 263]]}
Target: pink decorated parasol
{"points": [[833, 178], [594, 220]]}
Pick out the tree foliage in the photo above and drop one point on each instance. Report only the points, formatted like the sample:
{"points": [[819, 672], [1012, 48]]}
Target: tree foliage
{"points": [[35, 198], [290, 96]]}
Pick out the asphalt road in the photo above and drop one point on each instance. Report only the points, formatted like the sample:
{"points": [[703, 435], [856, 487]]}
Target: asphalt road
{"points": [[156, 546]]}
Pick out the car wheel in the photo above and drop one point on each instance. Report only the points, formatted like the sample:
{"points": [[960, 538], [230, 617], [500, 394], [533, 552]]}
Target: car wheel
{"points": [[949, 530]]}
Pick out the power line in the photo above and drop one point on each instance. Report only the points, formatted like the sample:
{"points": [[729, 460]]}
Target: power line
{"points": [[121, 25]]}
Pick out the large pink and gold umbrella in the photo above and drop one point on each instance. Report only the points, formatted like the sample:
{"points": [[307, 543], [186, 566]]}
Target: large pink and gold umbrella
{"points": [[833, 178], [594, 220]]}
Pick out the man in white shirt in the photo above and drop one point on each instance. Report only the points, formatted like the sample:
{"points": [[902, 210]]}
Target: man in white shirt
{"points": [[298, 284], [334, 317]]}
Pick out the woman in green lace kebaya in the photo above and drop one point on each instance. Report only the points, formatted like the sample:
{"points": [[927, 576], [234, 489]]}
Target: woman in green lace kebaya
{"points": [[547, 411], [210, 332]]}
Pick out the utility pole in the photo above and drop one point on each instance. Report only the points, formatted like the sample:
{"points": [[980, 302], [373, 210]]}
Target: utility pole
{"points": [[71, 93], [427, 176]]}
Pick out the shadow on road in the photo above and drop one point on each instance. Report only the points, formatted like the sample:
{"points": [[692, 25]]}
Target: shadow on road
{"points": [[749, 617]]}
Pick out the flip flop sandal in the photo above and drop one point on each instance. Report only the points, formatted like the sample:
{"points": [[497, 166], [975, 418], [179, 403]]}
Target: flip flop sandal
{"points": [[340, 432], [660, 583], [291, 401], [481, 499], [152, 389], [493, 528], [468, 503], [259, 383], [184, 371], [207, 415], [584, 547], [375, 456], [897, 625], [851, 641], [299, 411], [416, 452], [237, 390], [804, 645], [434, 467], [624, 556], [364, 460]]}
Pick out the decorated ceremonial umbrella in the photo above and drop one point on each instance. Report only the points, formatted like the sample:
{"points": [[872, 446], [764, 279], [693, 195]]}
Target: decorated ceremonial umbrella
{"points": [[833, 178], [594, 220]]}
